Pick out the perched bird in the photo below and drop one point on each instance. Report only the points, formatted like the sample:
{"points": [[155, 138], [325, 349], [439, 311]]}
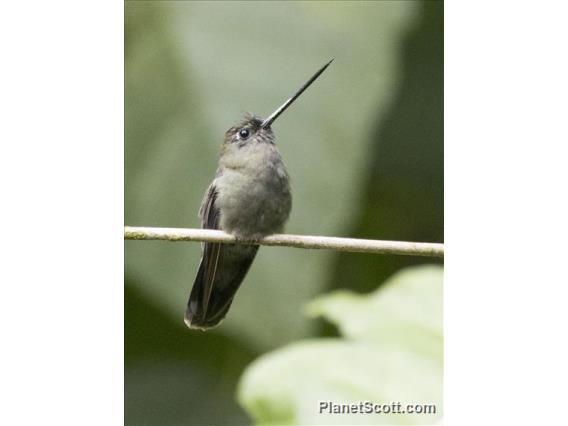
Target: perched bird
{"points": [[249, 198]]}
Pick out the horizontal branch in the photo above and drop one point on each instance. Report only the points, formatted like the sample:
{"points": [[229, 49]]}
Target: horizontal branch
{"points": [[299, 241]]}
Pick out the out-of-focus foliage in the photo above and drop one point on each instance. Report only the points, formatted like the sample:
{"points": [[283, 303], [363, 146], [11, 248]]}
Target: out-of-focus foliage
{"points": [[173, 377], [391, 352], [402, 195], [363, 147], [189, 76]]}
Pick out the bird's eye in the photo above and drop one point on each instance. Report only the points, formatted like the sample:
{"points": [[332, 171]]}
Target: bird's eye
{"points": [[244, 133]]}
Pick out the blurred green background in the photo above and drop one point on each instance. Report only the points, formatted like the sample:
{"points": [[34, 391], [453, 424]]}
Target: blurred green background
{"points": [[364, 148]]}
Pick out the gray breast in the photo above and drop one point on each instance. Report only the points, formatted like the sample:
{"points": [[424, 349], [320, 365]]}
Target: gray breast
{"points": [[254, 200]]}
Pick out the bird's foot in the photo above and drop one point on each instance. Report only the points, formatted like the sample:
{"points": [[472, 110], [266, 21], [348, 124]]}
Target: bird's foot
{"points": [[249, 238]]}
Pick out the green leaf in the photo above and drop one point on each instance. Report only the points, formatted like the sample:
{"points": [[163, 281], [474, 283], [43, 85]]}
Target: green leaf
{"points": [[391, 352], [406, 312]]}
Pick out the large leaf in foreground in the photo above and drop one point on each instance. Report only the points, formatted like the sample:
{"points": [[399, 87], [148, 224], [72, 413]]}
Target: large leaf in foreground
{"points": [[391, 352]]}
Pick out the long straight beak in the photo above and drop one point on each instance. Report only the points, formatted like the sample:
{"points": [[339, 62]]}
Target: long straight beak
{"points": [[275, 114]]}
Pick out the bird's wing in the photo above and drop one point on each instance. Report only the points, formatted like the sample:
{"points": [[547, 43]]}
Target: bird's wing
{"points": [[221, 271], [210, 217]]}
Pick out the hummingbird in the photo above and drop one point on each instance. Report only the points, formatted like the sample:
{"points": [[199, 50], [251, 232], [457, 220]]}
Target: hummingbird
{"points": [[250, 198]]}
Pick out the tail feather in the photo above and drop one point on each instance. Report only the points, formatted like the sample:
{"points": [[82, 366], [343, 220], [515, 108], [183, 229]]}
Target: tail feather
{"points": [[214, 288]]}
